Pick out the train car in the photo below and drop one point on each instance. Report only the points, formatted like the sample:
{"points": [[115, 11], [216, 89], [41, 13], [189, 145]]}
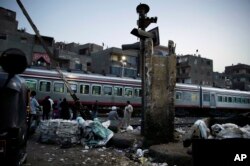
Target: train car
{"points": [[107, 90], [202, 100], [225, 99]]}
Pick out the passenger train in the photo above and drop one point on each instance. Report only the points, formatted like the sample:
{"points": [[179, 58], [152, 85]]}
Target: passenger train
{"points": [[110, 90]]}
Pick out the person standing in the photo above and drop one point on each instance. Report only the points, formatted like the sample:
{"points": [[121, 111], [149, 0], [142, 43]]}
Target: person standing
{"points": [[127, 114], [65, 114], [51, 106], [95, 110], [34, 106], [46, 107]]}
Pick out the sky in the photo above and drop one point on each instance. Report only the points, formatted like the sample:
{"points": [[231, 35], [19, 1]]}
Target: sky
{"points": [[218, 29]]}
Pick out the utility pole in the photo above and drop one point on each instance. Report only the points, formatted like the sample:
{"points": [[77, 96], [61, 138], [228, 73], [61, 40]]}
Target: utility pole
{"points": [[158, 81], [153, 34], [143, 23]]}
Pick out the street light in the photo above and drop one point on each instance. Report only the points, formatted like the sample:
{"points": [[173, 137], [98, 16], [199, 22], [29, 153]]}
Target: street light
{"points": [[123, 61]]}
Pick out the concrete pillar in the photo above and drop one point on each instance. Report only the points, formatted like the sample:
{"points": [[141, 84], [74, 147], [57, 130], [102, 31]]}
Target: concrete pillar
{"points": [[159, 85]]}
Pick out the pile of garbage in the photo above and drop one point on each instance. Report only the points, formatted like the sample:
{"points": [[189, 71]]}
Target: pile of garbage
{"points": [[92, 133], [202, 129]]}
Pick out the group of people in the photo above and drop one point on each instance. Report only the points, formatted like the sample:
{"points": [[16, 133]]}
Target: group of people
{"points": [[58, 109], [50, 109], [61, 109]]}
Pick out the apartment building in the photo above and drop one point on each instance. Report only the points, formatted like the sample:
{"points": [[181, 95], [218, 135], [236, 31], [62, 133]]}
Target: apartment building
{"points": [[194, 69], [239, 75]]}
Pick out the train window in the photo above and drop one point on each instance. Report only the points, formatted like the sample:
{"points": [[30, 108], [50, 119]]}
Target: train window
{"points": [[107, 90], [59, 87], [248, 101], [84, 89], [219, 98], [96, 89], [44, 86], [117, 91], [137, 92], [31, 84], [225, 99], [178, 96], [206, 97], [128, 92], [234, 99], [230, 99], [238, 100], [73, 88], [194, 97]]}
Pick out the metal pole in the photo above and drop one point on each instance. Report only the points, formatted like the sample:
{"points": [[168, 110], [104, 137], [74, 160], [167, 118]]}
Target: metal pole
{"points": [[73, 95], [143, 85], [143, 101], [123, 69]]}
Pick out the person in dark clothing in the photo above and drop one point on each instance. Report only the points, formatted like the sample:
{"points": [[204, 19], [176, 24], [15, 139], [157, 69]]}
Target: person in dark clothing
{"points": [[95, 110], [74, 110], [65, 114], [46, 107], [86, 113]]}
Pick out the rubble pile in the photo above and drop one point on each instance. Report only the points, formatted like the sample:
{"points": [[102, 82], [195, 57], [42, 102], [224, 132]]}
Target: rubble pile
{"points": [[230, 130], [58, 130], [68, 132]]}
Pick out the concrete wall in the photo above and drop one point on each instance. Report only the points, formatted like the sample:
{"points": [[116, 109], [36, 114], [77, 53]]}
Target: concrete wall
{"points": [[160, 84]]}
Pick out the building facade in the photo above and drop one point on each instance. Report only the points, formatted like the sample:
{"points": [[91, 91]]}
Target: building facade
{"points": [[115, 61], [193, 69], [239, 75], [220, 80], [12, 37]]}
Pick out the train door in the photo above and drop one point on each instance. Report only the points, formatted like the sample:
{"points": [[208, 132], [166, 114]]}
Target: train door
{"points": [[212, 100]]}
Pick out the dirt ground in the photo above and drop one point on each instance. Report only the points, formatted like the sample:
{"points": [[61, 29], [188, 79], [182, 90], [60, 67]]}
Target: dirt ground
{"points": [[46, 155], [53, 155]]}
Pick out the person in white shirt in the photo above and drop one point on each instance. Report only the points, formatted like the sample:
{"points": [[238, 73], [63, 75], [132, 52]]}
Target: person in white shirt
{"points": [[33, 117], [51, 108], [127, 114]]}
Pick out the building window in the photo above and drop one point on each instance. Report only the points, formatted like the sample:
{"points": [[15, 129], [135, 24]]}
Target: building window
{"points": [[195, 61], [3, 36], [131, 60], [115, 70], [208, 63], [24, 40], [130, 72], [242, 79], [83, 51], [114, 58]]}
